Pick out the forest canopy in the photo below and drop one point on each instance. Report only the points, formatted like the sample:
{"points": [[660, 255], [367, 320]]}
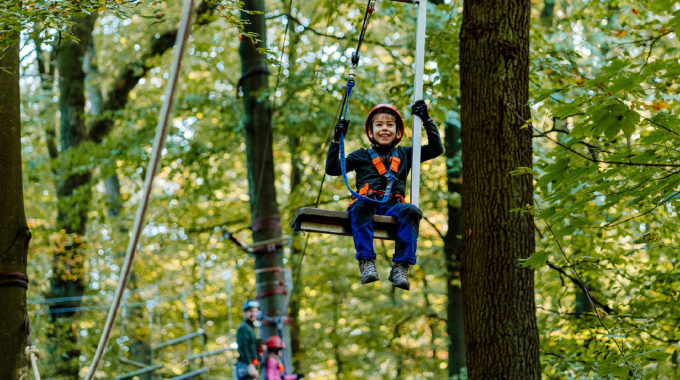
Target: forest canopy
{"points": [[603, 87]]}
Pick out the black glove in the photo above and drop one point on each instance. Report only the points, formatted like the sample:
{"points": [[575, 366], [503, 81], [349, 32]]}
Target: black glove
{"points": [[341, 128], [300, 376], [419, 108]]}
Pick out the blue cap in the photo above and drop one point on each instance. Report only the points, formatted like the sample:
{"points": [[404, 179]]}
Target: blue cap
{"points": [[249, 304]]}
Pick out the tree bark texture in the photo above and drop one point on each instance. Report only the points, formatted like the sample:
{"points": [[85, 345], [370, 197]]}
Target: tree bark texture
{"points": [[74, 195], [266, 224], [498, 294], [117, 97], [454, 307], [14, 233]]}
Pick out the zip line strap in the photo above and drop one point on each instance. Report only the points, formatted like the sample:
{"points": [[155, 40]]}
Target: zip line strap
{"points": [[370, 7], [348, 93], [354, 61]]}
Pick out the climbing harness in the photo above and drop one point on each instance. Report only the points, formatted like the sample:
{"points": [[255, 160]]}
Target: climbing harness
{"points": [[390, 174], [278, 321], [379, 165]]}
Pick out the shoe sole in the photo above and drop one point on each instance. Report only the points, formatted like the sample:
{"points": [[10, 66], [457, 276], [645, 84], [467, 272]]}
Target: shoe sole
{"points": [[369, 279], [405, 286]]}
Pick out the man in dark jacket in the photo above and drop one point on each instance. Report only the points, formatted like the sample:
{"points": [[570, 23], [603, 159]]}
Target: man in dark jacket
{"points": [[248, 360], [376, 168]]}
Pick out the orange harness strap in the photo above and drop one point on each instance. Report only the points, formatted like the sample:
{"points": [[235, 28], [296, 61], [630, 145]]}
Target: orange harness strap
{"points": [[366, 191], [379, 165]]}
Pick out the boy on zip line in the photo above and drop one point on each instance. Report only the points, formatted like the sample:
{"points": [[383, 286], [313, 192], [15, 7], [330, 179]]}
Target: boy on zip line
{"points": [[374, 167]]}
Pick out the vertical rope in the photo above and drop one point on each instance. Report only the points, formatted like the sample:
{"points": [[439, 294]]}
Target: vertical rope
{"points": [[32, 353]]}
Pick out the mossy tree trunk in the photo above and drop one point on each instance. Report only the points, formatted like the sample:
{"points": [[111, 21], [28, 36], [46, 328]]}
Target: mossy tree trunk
{"points": [[14, 234], [266, 221], [498, 294]]}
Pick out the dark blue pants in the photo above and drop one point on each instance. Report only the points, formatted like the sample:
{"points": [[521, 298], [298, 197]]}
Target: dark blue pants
{"points": [[241, 371], [408, 219]]}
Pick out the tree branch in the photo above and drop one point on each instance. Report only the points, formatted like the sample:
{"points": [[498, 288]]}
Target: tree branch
{"points": [[335, 37], [117, 97], [668, 198], [594, 160], [576, 282]]}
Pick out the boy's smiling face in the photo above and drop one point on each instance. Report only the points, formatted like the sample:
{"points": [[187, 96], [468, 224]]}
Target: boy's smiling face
{"points": [[384, 129]]}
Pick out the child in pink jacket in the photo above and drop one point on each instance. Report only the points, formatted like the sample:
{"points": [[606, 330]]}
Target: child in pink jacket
{"points": [[273, 366]]}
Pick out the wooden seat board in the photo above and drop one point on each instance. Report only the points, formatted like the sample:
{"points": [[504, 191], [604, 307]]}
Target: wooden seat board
{"points": [[310, 219]]}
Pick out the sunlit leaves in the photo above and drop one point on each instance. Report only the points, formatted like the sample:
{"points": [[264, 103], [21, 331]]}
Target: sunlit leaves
{"points": [[607, 182]]}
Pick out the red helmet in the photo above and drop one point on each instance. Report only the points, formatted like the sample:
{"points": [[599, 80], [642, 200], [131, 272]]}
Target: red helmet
{"points": [[275, 341], [390, 109]]}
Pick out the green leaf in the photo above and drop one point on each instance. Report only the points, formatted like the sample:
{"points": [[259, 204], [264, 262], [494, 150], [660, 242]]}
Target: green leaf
{"points": [[538, 259], [629, 123]]}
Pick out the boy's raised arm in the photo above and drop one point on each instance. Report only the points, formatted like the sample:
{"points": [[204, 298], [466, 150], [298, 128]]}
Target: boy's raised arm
{"points": [[333, 159], [434, 145]]}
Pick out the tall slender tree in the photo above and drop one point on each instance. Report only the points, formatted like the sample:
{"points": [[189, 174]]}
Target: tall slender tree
{"points": [[266, 221], [498, 293], [454, 307], [14, 233], [68, 270]]}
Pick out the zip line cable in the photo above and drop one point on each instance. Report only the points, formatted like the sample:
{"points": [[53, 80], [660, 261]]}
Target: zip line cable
{"points": [[55, 300], [98, 307], [331, 10], [370, 7], [161, 133]]}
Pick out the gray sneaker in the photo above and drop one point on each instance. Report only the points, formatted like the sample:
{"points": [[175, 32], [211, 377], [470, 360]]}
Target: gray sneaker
{"points": [[399, 275], [368, 272]]}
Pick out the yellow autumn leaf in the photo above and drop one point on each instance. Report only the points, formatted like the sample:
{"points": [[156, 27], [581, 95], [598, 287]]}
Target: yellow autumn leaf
{"points": [[660, 104]]}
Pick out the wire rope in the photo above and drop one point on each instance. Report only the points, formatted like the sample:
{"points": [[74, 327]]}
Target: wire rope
{"points": [[154, 162]]}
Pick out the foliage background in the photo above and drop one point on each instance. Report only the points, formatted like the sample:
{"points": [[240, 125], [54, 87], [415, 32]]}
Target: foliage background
{"points": [[605, 116]]}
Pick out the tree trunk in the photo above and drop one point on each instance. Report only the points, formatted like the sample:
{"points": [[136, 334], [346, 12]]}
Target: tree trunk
{"points": [[296, 189], [14, 233], [73, 192], [547, 13], [498, 294], [454, 307], [296, 249], [266, 223]]}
